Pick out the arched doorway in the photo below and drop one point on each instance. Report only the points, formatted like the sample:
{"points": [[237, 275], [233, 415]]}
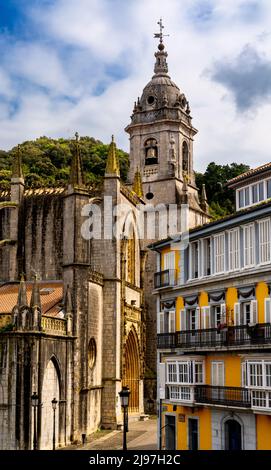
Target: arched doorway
{"points": [[233, 435], [50, 390], [131, 374]]}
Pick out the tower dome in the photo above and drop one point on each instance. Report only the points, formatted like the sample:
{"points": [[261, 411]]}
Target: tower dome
{"points": [[161, 93]]}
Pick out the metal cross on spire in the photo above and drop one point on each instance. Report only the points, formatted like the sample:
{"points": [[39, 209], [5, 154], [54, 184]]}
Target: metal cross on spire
{"points": [[160, 35]]}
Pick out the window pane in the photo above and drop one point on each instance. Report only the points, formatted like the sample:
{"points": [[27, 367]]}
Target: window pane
{"points": [[264, 235], [261, 192], [258, 399], [219, 253], [172, 372], [183, 372], [255, 197], [268, 374], [247, 202], [269, 188], [241, 198], [198, 372]]}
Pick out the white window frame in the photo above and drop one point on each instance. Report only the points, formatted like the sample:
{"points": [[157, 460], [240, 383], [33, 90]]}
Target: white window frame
{"points": [[262, 364], [249, 260], [192, 260], [219, 258], [250, 188], [189, 365], [264, 240], [218, 364], [172, 364], [203, 270], [234, 249]]}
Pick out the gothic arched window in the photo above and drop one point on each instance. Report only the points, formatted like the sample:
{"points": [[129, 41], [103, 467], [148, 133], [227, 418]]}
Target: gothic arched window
{"points": [[151, 152], [185, 154]]}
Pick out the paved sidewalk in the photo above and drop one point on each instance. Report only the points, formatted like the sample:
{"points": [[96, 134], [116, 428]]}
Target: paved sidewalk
{"points": [[142, 435]]}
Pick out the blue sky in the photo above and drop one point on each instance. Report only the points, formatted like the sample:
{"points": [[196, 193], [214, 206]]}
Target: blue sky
{"points": [[68, 65]]}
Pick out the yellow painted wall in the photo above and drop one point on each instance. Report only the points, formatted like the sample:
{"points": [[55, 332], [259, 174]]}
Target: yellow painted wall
{"points": [[263, 432], [231, 299], [205, 432], [179, 307], [261, 294], [177, 258], [203, 302]]}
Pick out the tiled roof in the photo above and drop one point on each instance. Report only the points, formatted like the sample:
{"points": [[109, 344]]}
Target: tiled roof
{"points": [[249, 173], [51, 299]]}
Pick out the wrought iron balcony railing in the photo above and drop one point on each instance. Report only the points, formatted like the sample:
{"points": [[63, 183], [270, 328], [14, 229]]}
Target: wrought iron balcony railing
{"points": [[213, 337], [165, 278], [227, 396]]}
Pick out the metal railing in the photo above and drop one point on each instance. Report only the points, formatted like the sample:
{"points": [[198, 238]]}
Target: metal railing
{"points": [[213, 337], [165, 278], [227, 396]]}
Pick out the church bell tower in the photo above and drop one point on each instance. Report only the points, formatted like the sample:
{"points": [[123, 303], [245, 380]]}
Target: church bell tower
{"points": [[161, 141]]}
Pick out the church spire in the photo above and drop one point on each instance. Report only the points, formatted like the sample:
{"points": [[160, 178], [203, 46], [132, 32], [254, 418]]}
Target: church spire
{"points": [[161, 67], [137, 186], [112, 163], [22, 297], [17, 171], [76, 175], [35, 297]]}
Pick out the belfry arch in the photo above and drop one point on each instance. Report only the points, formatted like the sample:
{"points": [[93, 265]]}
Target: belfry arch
{"points": [[131, 376]]}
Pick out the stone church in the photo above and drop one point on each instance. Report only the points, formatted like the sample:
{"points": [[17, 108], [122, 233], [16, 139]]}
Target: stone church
{"points": [[77, 317]]}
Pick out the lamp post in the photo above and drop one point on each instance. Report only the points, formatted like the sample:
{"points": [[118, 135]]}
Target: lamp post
{"points": [[35, 404], [54, 404], [124, 399]]}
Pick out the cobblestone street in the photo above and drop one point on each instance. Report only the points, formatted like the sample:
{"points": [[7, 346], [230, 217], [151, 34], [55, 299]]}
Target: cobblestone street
{"points": [[142, 435]]}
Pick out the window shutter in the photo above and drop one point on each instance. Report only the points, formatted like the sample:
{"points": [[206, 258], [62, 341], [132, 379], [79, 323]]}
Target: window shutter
{"points": [[206, 317], [197, 327], [267, 310], [162, 380], [218, 374], [254, 312], [169, 260], [171, 328], [183, 319], [244, 374], [223, 313], [237, 318], [162, 322]]}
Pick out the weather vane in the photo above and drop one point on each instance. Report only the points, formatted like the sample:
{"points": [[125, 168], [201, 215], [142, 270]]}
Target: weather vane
{"points": [[160, 35]]}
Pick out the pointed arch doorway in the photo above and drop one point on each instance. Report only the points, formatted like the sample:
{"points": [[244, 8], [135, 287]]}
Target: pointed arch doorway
{"points": [[131, 377]]}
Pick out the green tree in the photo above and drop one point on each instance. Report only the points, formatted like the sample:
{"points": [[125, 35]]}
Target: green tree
{"points": [[46, 162], [220, 197]]}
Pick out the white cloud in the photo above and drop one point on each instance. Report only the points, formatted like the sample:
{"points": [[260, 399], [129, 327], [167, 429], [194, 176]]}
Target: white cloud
{"points": [[81, 42]]}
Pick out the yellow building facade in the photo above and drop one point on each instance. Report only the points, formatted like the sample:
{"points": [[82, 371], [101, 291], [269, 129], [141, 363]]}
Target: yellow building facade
{"points": [[214, 328]]}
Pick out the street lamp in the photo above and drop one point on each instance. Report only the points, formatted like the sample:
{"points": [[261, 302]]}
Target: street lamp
{"points": [[124, 400], [35, 404], [54, 404]]}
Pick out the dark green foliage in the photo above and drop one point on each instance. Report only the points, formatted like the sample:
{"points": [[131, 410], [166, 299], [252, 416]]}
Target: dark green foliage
{"points": [[46, 162], [220, 198]]}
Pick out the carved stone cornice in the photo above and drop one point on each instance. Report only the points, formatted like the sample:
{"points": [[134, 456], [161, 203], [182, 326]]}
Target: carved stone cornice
{"points": [[96, 278], [132, 286]]}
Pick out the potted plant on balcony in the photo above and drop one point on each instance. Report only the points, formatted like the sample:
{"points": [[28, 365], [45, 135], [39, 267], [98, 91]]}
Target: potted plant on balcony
{"points": [[222, 326]]}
